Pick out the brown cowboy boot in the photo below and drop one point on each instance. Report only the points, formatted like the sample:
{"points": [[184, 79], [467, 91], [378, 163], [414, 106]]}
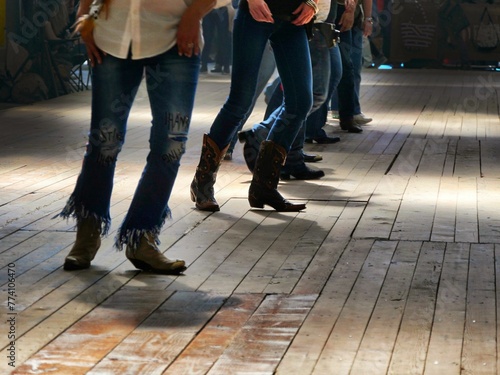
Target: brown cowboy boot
{"points": [[147, 257], [88, 241], [263, 189], [202, 187]]}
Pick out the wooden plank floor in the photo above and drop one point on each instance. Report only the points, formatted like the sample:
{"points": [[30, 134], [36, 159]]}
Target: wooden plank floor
{"points": [[393, 268]]}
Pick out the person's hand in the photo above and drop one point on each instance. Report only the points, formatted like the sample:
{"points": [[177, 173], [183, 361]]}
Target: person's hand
{"points": [[188, 35], [260, 11], [346, 21], [85, 28], [368, 27], [93, 52], [304, 14], [188, 30]]}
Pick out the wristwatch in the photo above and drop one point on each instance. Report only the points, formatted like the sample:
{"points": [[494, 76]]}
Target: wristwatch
{"points": [[369, 19]]}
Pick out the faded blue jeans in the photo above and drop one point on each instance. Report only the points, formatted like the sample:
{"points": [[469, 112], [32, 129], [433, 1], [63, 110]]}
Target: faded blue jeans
{"points": [[171, 82], [317, 120], [291, 53]]}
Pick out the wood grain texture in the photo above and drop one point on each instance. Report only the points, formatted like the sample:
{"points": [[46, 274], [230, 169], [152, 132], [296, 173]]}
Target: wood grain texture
{"points": [[392, 268]]}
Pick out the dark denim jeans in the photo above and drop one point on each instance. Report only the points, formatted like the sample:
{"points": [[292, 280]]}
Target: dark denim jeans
{"points": [[344, 99], [171, 82], [267, 67], [351, 45], [320, 60], [291, 53], [357, 64]]}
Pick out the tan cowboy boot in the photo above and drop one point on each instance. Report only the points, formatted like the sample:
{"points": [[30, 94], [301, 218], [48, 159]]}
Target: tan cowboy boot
{"points": [[147, 257], [88, 241]]}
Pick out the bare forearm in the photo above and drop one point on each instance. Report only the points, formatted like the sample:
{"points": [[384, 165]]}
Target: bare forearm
{"points": [[200, 8], [84, 7], [367, 7], [368, 21], [350, 5], [188, 30]]}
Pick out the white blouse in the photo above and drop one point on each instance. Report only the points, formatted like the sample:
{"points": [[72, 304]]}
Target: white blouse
{"points": [[146, 27], [323, 10]]}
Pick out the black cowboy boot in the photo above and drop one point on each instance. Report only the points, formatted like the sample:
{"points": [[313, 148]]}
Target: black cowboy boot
{"points": [[263, 189], [301, 172], [297, 168], [88, 241], [202, 187], [251, 146]]}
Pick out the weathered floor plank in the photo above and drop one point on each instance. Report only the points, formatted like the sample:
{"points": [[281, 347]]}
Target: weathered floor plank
{"points": [[392, 268]]}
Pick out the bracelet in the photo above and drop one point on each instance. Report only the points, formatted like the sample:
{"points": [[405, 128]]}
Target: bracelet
{"points": [[369, 19], [95, 8], [313, 5]]}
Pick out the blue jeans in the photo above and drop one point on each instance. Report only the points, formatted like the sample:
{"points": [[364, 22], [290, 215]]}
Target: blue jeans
{"points": [[320, 60], [317, 119], [266, 70], [345, 98], [171, 82], [210, 26], [291, 53]]}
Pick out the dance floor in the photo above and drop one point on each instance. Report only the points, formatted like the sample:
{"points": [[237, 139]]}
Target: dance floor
{"points": [[391, 269]]}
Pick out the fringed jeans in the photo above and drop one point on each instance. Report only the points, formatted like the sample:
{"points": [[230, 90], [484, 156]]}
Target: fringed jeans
{"points": [[171, 82]]}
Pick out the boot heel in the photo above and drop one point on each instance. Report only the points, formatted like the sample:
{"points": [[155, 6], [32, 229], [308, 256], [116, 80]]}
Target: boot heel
{"points": [[243, 136], [193, 195], [255, 203], [285, 176], [140, 265]]}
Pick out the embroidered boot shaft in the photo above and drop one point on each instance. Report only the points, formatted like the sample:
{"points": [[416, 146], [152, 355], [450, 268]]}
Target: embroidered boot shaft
{"points": [[263, 189], [202, 187]]}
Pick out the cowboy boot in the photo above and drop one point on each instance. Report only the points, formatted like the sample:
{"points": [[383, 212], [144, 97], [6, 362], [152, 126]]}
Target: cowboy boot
{"points": [[88, 241], [296, 167], [301, 172], [147, 257], [251, 145], [202, 187], [263, 189]]}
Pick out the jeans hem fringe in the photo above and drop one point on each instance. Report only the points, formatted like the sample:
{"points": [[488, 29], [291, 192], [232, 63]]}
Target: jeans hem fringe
{"points": [[79, 212]]}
